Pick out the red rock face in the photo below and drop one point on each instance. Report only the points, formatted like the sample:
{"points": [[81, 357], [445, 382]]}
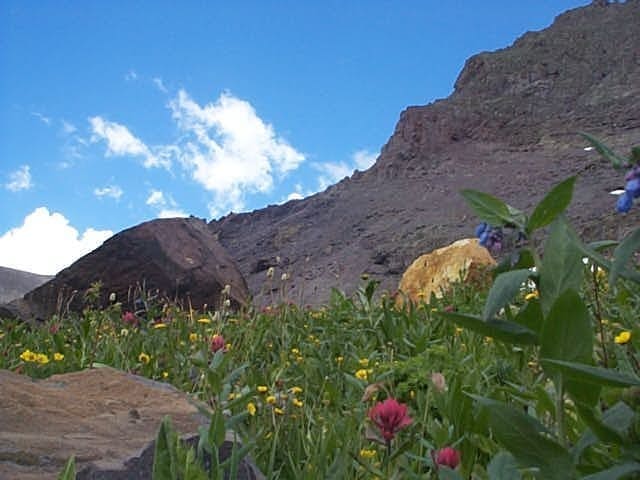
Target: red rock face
{"points": [[510, 129], [172, 259]]}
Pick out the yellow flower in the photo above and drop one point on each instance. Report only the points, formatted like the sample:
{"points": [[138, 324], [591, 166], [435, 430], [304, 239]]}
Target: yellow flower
{"points": [[124, 332], [362, 374], [193, 337], [365, 453], [295, 351], [28, 356], [623, 337], [364, 362], [160, 325], [295, 390], [165, 374], [42, 359], [459, 330], [298, 403], [339, 360], [271, 400], [251, 408], [231, 396], [262, 389], [144, 358], [58, 357], [278, 411], [531, 295], [227, 346], [204, 320]]}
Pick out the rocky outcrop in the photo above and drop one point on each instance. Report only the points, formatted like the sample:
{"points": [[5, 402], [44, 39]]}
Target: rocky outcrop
{"points": [[15, 283], [176, 259], [106, 418], [510, 128], [434, 272]]}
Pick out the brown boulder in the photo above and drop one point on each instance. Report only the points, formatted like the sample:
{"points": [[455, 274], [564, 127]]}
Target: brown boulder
{"points": [[177, 259], [433, 272], [105, 417]]}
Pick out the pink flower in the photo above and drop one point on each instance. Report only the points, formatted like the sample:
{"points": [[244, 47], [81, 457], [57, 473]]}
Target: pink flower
{"points": [[217, 343], [447, 456], [129, 318], [390, 417]]}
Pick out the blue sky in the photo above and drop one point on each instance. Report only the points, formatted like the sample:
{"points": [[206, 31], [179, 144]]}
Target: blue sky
{"points": [[114, 113]]}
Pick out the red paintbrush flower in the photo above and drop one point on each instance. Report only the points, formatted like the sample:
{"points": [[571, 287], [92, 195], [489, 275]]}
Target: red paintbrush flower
{"points": [[390, 417]]}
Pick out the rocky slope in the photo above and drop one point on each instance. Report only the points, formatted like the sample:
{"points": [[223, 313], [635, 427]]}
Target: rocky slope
{"points": [[509, 128], [15, 283]]}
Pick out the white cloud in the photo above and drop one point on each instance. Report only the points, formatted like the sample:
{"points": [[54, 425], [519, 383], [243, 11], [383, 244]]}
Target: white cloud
{"points": [[165, 205], [157, 81], [332, 172], [229, 150], [131, 75], [42, 118], [295, 196], [45, 243], [20, 179], [113, 191], [68, 128], [121, 142]]}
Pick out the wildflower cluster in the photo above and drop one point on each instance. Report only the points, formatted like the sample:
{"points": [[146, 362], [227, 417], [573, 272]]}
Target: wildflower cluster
{"points": [[490, 237], [631, 190]]}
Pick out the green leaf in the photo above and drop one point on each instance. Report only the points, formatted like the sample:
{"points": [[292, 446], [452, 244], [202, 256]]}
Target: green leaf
{"points": [[616, 160], [552, 205], [164, 456], [562, 266], [528, 441], [503, 467], [217, 429], [602, 244], [505, 287], [592, 375], [509, 332], [567, 335], [623, 253], [491, 209], [615, 472], [603, 431], [69, 472], [445, 473], [598, 259], [531, 317]]}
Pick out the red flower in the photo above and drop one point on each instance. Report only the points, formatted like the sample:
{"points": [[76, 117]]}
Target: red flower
{"points": [[217, 343], [129, 318], [447, 456], [390, 417]]}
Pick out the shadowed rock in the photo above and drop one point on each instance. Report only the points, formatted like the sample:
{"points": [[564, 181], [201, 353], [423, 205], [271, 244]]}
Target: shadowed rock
{"points": [[107, 418], [177, 259], [15, 283]]}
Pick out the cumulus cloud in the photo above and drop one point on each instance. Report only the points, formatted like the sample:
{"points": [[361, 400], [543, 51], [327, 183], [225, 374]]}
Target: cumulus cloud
{"points": [[121, 142], [229, 149], [20, 179], [165, 205], [45, 243], [333, 172], [112, 191]]}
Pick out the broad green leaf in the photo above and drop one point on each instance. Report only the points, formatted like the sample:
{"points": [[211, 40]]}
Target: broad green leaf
{"points": [[531, 317], [528, 441], [164, 456], [552, 205], [509, 332], [602, 245], [491, 209], [567, 335], [623, 253], [599, 260], [611, 428], [69, 472], [593, 375], [616, 160], [217, 429], [503, 467], [505, 287], [615, 472], [562, 266], [445, 473]]}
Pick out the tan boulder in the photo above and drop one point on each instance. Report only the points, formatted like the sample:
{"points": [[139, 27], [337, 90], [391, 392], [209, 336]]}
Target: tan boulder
{"points": [[105, 417], [433, 272]]}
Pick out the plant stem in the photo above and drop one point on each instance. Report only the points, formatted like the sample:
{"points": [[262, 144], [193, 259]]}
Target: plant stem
{"points": [[598, 312], [560, 410]]}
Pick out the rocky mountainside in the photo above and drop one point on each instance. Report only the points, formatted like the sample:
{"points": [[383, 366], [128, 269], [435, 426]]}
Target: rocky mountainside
{"points": [[509, 128], [15, 283]]}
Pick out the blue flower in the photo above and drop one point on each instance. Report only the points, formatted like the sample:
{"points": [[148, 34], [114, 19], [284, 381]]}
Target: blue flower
{"points": [[624, 202], [633, 187], [480, 229]]}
